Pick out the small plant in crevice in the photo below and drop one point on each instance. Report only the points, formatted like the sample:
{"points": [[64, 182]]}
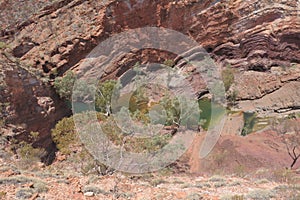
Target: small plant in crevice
{"points": [[169, 63], [227, 77]]}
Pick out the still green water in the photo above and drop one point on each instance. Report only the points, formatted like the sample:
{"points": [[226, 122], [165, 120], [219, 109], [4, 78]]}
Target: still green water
{"points": [[211, 113]]}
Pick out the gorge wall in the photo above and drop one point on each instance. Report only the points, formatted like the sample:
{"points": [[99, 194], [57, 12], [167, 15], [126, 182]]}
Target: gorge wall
{"points": [[259, 39]]}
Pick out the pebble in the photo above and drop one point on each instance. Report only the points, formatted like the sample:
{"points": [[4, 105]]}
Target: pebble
{"points": [[89, 194]]}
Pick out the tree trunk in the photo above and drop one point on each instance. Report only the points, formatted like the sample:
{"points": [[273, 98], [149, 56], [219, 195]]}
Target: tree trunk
{"points": [[294, 162]]}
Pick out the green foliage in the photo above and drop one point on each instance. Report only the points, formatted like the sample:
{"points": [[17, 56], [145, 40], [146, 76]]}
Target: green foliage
{"points": [[64, 135], [172, 109], [233, 197], [26, 151], [138, 106], [151, 144], [64, 85], [68, 143], [103, 95], [292, 116], [202, 185], [228, 77], [3, 45], [30, 154], [232, 97], [2, 195], [169, 63], [133, 144], [34, 135]]}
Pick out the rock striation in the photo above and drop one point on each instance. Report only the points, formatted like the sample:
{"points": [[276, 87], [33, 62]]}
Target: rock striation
{"points": [[256, 38]]}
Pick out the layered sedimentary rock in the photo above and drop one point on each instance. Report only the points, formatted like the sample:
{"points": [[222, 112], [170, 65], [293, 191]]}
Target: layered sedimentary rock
{"points": [[254, 37], [251, 36]]}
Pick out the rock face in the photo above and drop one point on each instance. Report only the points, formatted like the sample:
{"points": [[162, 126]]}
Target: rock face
{"points": [[33, 105], [252, 36], [255, 38], [283, 100]]}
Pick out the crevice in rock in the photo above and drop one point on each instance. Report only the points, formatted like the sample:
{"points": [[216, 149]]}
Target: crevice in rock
{"points": [[287, 109], [23, 48]]}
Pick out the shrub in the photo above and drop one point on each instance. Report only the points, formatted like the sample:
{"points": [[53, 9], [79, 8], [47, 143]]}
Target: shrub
{"points": [[169, 63], [217, 179], [219, 184], [228, 77], [3, 45], [64, 135], [262, 181], [64, 85], [282, 175], [68, 143], [235, 183], [15, 180], [40, 187], [103, 96], [172, 108], [34, 135], [30, 154], [138, 106], [232, 96], [24, 193], [194, 196], [260, 194], [240, 171], [217, 89], [202, 185], [233, 197], [133, 144], [2, 195]]}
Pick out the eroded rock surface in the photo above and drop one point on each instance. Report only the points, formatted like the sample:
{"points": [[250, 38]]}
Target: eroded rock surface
{"points": [[253, 37]]}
